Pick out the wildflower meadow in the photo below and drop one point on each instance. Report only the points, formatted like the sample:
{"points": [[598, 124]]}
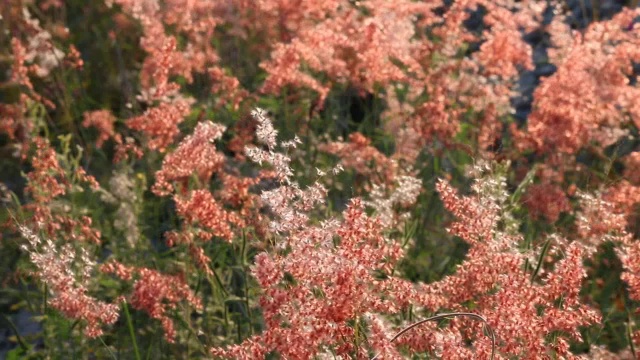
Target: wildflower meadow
{"points": [[336, 179]]}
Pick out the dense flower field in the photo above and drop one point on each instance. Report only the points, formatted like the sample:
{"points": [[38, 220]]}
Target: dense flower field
{"points": [[337, 179]]}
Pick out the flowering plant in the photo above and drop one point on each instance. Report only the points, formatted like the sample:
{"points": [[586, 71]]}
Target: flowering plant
{"points": [[339, 179]]}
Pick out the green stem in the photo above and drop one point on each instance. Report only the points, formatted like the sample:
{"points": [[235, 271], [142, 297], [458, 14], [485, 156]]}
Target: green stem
{"points": [[246, 280], [131, 331], [545, 248], [630, 335], [21, 342], [107, 347]]}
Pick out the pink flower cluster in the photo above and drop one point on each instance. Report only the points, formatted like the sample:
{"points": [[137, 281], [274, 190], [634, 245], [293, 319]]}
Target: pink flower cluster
{"points": [[319, 277], [352, 261], [155, 293], [330, 286], [592, 78], [67, 277], [196, 154], [48, 181], [494, 279]]}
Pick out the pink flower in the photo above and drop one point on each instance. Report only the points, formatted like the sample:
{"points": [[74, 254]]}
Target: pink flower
{"points": [[203, 210], [160, 123], [55, 267], [155, 293], [196, 154], [103, 121], [546, 200]]}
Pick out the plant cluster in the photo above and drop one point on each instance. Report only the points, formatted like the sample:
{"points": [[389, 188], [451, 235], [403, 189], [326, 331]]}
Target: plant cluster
{"points": [[289, 179]]}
